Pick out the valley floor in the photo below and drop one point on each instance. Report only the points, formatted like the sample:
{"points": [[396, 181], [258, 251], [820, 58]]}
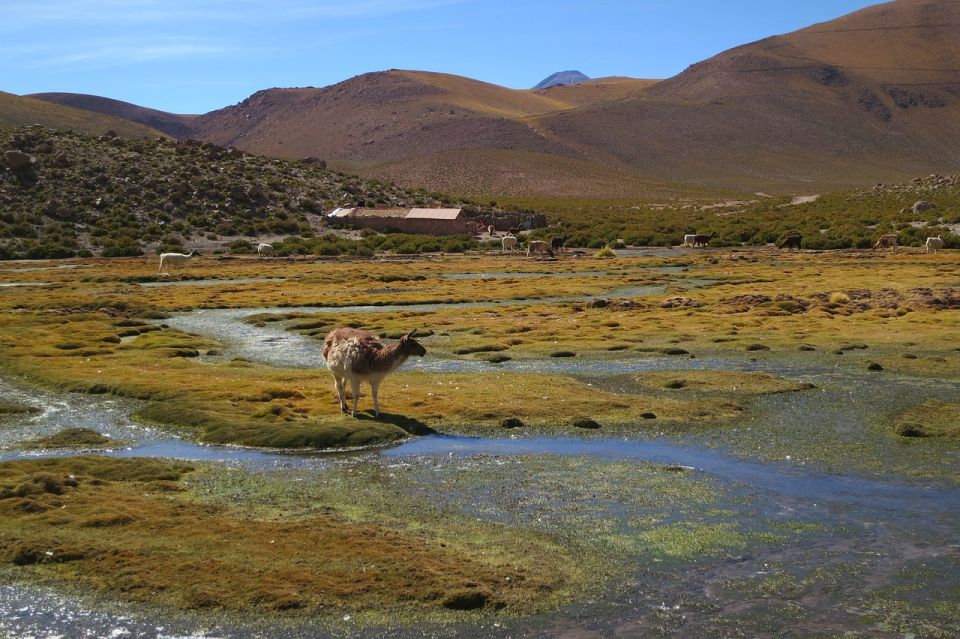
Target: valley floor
{"points": [[664, 443]]}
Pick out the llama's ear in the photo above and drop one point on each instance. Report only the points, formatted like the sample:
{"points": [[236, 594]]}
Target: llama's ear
{"points": [[410, 334]]}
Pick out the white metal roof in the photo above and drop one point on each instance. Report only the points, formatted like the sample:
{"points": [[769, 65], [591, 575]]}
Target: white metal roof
{"points": [[340, 212], [434, 214]]}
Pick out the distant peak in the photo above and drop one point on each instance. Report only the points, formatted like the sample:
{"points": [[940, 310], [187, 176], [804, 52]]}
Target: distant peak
{"points": [[562, 77]]}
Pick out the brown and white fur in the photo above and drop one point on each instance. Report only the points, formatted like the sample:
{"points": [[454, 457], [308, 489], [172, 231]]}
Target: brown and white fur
{"points": [[356, 355], [889, 241], [537, 247]]}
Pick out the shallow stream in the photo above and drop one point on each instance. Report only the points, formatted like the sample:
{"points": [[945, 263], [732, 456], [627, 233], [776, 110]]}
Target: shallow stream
{"points": [[823, 524]]}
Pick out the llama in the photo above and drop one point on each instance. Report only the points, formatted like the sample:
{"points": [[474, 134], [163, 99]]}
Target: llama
{"points": [[491, 230], [890, 240], [790, 241], [934, 244], [359, 356], [515, 231], [509, 243], [688, 240], [264, 250], [556, 244], [173, 259], [702, 240], [537, 247]]}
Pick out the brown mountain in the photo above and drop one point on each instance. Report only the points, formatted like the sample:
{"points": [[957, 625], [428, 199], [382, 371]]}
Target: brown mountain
{"points": [[874, 95], [429, 129], [23, 111], [172, 124]]}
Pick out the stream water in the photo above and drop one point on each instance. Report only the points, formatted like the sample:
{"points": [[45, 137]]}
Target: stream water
{"points": [[810, 459]]}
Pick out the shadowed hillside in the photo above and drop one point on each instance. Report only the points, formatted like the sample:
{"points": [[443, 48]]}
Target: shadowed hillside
{"points": [[24, 111], [170, 123]]}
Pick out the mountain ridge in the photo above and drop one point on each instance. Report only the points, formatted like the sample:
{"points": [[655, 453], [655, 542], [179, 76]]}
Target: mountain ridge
{"points": [[870, 96]]}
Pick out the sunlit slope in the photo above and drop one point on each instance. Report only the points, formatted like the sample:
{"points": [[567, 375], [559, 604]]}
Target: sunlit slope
{"points": [[872, 96]]}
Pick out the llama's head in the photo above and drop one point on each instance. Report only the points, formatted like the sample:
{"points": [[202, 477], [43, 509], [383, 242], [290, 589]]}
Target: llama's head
{"points": [[410, 346]]}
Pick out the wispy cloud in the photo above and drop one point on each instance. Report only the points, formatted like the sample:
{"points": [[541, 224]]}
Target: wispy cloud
{"points": [[146, 12], [133, 54]]}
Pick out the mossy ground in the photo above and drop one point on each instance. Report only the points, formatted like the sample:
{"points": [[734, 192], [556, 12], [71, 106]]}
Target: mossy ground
{"points": [[133, 528], [730, 382], [75, 438], [17, 408], [90, 332], [932, 419]]}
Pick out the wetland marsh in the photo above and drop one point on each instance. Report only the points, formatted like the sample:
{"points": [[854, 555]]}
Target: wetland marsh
{"points": [[700, 444]]}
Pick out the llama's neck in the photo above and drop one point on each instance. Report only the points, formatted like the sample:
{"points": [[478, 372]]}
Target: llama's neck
{"points": [[389, 358]]}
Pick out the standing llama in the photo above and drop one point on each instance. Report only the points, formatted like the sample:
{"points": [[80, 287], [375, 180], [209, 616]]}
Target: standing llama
{"points": [[359, 356], [173, 259]]}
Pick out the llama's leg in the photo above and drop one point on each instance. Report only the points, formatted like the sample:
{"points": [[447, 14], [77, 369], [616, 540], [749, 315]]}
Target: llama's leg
{"points": [[376, 404], [338, 384], [355, 389]]}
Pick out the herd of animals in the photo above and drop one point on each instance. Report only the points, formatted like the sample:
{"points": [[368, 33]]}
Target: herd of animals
{"points": [[509, 242], [357, 356]]}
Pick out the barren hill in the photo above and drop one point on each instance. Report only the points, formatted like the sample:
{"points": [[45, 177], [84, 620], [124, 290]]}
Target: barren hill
{"points": [[17, 110], [170, 123], [873, 96], [428, 129]]}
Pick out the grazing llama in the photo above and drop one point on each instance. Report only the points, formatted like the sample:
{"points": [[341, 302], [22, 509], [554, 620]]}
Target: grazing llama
{"points": [[509, 243], [538, 247], [890, 241], [264, 250], [790, 241], [358, 356], [934, 244]]}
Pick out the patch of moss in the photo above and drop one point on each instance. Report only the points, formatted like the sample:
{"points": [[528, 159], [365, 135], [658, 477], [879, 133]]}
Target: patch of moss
{"points": [[17, 408], [224, 426], [742, 383], [932, 419], [76, 438], [121, 535]]}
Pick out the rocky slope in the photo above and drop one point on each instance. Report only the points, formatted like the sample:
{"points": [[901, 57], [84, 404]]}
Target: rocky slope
{"points": [[63, 192]]}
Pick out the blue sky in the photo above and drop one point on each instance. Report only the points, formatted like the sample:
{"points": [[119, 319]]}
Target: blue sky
{"points": [[194, 56]]}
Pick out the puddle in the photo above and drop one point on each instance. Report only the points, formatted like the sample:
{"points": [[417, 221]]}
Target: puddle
{"points": [[30, 269], [15, 284], [241, 280], [104, 414]]}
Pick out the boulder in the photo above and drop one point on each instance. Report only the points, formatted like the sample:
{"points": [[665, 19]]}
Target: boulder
{"points": [[19, 161]]}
